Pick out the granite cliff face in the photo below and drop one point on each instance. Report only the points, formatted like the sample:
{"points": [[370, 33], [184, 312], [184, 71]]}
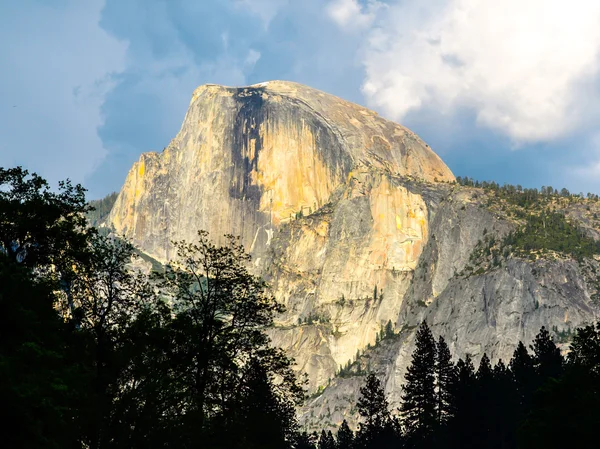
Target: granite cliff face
{"points": [[354, 222]]}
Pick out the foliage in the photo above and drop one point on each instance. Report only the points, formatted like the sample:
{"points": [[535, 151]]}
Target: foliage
{"points": [[105, 357], [419, 399], [99, 209], [550, 231], [378, 429]]}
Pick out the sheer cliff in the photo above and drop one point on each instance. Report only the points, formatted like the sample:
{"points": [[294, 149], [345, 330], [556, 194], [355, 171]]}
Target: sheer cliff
{"points": [[354, 222]]}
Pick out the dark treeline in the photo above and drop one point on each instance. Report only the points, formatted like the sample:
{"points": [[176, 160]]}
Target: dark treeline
{"points": [[95, 355], [539, 400]]}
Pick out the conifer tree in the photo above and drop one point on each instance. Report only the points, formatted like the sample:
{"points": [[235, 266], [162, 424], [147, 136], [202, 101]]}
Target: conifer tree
{"points": [[345, 436], [464, 404], [502, 413], [547, 360], [419, 398], [523, 372], [304, 440], [266, 421], [389, 329], [326, 440], [373, 406], [445, 372], [378, 430]]}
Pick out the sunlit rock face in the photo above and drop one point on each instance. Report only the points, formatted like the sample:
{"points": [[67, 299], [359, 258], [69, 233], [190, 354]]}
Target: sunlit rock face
{"points": [[354, 222], [315, 187]]}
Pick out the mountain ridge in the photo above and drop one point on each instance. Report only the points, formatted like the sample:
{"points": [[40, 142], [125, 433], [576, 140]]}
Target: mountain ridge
{"points": [[354, 222]]}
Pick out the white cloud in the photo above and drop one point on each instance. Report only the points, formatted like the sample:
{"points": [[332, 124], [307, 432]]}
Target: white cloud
{"points": [[351, 15], [525, 67]]}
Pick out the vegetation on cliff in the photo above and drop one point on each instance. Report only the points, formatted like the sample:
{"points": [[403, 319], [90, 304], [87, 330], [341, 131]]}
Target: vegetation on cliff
{"points": [[99, 209]]}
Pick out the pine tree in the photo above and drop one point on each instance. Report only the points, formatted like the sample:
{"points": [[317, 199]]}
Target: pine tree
{"points": [[266, 421], [419, 398], [502, 415], [373, 406], [484, 390], [378, 430], [445, 372], [389, 329], [345, 436], [326, 440], [463, 405], [523, 372], [304, 440], [547, 360]]}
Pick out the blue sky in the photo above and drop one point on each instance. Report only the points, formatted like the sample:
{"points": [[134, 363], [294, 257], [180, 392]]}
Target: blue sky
{"points": [[507, 90]]}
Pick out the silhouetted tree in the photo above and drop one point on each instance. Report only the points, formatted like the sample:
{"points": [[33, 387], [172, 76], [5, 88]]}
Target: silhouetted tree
{"points": [[523, 372], [419, 399], [345, 436], [377, 429], [326, 440], [548, 361], [221, 313], [566, 411], [445, 373], [304, 440], [463, 405]]}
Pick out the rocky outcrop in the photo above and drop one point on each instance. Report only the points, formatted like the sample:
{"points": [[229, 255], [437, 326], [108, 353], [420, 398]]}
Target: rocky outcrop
{"points": [[354, 222], [247, 160], [314, 186], [476, 313]]}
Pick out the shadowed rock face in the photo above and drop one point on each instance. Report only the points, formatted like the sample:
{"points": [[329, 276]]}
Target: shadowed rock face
{"points": [[353, 221]]}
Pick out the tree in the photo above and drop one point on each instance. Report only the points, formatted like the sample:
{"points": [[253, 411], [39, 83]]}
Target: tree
{"points": [[419, 398], [445, 372], [547, 360], [378, 428], [38, 227], [326, 440], [263, 419], [221, 313], [39, 387], [523, 372], [372, 405], [304, 440], [464, 405], [106, 296], [345, 436], [389, 329], [42, 235], [566, 410], [502, 416]]}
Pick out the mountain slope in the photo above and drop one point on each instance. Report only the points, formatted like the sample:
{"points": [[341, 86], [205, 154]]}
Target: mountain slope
{"points": [[354, 222]]}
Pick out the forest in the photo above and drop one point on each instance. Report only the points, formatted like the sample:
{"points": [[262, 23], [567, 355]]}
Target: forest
{"points": [[96, 355]]}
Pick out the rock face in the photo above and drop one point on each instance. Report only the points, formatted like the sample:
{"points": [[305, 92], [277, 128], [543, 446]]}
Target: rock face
{"points": [[247, 160], [354, 222]]}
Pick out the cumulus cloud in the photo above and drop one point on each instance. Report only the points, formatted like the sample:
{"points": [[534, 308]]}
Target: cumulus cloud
{"points": [[351, 15], [525, 67]]}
